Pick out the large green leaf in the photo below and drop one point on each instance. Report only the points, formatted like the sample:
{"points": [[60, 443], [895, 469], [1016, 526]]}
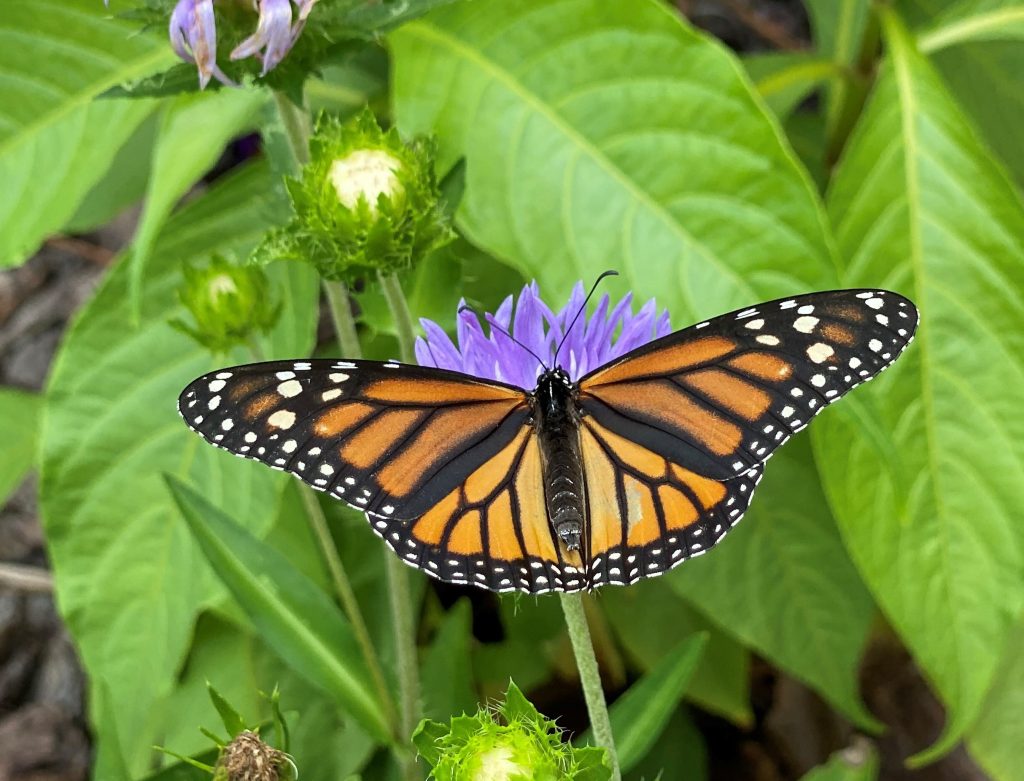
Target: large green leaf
{"points": [[982, 71], [129, 579], [783, 583], [19, 411], [447, 670], [604, 135], [925, 470], [292, 615], [56, 142]]}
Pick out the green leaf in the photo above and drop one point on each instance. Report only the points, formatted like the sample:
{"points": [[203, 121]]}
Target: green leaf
{"points": [[983, 75], [858, 762], [425, 738], [230, 718], [973, 20], [639, 715], [193, 132], [56, 142], [929, 481], [129, 579], [593, 138], [19, 411], [783, 583], [785, 79], [122, 185], [292, 615], [650, 619], [994, 740], [447, 670], [679, 753]]}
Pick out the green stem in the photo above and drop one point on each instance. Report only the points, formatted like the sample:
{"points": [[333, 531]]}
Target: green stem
{"points": [[404, 328], [398, 585], [590, 677], [295, 121], [398, 581], [343, 588], [342, 585], [344, 323]]}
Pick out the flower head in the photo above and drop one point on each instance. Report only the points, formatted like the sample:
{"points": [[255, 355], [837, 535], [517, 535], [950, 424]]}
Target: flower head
{"points": [[611, 331], [229, 304], [367, 201], [512, 742]]}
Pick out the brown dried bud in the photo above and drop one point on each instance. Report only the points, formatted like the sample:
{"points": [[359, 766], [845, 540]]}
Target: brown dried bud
{"points": [[247, 758]]}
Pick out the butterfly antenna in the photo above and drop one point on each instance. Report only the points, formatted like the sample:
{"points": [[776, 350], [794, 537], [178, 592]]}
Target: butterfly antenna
{"points": [[494, 325], [581, 310]]}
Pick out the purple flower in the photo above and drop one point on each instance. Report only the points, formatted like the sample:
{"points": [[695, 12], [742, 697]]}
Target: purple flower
{"points": [[592, 342], [274, 34], [194, 38]]}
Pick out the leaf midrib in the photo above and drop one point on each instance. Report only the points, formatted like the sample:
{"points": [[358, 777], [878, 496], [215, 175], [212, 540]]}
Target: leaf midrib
{"points": [[460, 48]]}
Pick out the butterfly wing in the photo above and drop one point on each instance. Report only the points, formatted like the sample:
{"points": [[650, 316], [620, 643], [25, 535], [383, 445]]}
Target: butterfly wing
{"points": [[492, 530], [389, 439], [719, 397], [648, 514]]}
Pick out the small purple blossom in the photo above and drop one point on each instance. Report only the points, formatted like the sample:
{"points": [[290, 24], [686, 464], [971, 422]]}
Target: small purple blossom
{"points": [[193, 31], [274, 34], [594, 341]]}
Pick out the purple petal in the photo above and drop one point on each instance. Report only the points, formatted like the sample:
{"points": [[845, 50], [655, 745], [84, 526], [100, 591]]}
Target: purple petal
{"points": [[181, 24], [273, 36], [203, 40], [439, 347]]}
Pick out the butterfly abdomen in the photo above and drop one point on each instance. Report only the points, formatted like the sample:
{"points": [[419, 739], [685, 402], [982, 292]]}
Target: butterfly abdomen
{"points": [[557, 424]]}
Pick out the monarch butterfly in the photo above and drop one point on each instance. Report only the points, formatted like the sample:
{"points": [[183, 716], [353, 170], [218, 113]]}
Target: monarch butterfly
{"points": [[644, 462]]}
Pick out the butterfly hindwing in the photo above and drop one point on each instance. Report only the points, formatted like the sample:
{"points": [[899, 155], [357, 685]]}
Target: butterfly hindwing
{"points": [[388, 439], [492, 530], [719, 397], [648, 514]]}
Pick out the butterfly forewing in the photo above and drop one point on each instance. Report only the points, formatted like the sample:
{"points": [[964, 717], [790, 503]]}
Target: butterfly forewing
{"points": [[389, 439], [719, 397]]}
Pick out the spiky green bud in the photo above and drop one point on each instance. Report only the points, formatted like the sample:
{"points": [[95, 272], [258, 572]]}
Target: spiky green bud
{"points": [[229, 304], [366, 202], [514, 742]]}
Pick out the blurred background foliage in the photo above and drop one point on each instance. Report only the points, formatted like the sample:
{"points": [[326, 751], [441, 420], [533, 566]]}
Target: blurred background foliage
{"points": [[865, 621]]}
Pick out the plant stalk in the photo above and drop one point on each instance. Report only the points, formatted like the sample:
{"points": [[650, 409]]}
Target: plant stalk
{"points": [[398, 581], [398, 585], [296, 123], [343, 588], [590, 677], [342, 585]]}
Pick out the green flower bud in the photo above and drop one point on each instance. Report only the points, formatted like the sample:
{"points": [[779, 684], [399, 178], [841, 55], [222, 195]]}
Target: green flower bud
{"points": [[366, 202], [230, 304], [512, 743]]}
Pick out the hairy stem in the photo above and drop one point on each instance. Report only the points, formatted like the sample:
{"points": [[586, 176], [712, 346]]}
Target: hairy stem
{"points": [[398, 581], [343, 588], [398, 586], [296, 123], [590, 678], [404, 328]]}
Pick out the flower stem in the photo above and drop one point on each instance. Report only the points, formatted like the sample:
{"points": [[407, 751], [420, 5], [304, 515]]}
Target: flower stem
{"points": [[398, 586], [590, 678], [342, 585], [404, 328], [344, 323], [295, 121], [398, 581], [343, 588]]}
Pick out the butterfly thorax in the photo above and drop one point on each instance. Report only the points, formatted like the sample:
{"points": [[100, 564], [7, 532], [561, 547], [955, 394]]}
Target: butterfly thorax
{"points": [[556, 419]]}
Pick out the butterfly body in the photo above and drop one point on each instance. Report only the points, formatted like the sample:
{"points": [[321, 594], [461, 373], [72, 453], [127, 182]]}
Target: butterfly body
{"points": [[556, 420], [577, 483]]}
